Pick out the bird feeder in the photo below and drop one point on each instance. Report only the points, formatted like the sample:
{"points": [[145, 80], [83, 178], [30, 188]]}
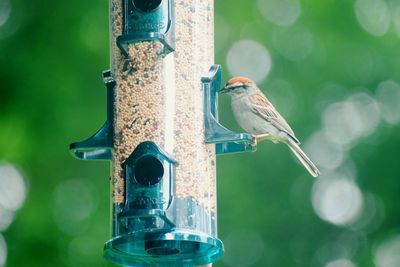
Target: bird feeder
{"points": [[162, 134]]}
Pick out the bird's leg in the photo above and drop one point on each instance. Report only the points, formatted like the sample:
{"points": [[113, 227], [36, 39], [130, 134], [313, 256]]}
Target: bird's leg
{"points": [[262, 137]]}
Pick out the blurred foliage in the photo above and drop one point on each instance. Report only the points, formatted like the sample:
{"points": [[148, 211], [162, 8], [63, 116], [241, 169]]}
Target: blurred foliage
{"points": [[51, 94]]}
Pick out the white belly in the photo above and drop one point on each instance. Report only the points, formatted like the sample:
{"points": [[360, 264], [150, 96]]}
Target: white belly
{"points": [[250, 122]]}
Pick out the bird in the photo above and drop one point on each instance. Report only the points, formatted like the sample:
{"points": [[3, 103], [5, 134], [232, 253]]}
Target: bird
{"points": [[257, 116]]}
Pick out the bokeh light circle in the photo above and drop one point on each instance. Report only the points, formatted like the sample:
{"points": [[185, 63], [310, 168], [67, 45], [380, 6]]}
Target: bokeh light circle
{"points": [[337, 200], [280, 12], [373, 16], [249, 58], [5, 11], [340, 263], [325, 152], [347, 121], [294, 43], [12, 187], [368, 113], [388, 96], [387, 254], [373, 214], [74, 202], [6, 218], [396, 20]]}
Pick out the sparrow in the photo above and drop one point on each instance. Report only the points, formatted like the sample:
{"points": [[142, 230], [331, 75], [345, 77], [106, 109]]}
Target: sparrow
{"points": [[256, 115]]}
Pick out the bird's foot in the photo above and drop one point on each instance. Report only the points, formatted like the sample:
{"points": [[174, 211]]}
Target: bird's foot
{"points": [[262, 137]]}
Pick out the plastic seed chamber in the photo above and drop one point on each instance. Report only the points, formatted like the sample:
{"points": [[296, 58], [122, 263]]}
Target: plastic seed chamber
{"points": [[162, 134]]}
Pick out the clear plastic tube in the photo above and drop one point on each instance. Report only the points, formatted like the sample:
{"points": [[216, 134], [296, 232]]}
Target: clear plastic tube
{"points": [[163, 172]]}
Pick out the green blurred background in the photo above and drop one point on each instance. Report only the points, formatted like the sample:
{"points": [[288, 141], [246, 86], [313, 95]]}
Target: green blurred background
{"points": [[331, 67]]}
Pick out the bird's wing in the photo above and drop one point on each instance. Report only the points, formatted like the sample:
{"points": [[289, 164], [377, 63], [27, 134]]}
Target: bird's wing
{"points": [[263, 108]]}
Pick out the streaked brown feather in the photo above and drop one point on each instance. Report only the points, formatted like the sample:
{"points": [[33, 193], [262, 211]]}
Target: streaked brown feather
{"points": [[264, 108]]}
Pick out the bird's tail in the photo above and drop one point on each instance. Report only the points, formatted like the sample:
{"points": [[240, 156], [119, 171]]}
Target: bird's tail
{"points": [[299, 153]]}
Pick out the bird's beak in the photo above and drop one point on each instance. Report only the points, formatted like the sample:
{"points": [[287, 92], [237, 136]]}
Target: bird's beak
{"points": [[225, 89]]}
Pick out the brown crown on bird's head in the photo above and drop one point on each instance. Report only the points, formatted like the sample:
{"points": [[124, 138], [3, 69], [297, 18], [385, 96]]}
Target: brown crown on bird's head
{"points": [[237, 82], [239, 79]]}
